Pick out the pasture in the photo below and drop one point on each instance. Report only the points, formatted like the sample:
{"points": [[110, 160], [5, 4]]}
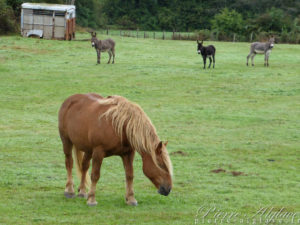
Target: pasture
{"points": [[235, 118]]}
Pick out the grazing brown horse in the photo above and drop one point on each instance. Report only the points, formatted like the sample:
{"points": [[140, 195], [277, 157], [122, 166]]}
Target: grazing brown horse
{"points": [[99, 127]]}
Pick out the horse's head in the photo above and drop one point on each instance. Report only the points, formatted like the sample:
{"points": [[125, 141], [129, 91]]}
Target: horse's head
{"points": [[200, 46], [93, 39], [272, 41], [159, 172]]}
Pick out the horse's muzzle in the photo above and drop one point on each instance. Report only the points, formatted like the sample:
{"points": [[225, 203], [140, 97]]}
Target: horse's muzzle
{"points": [[164, 191]]}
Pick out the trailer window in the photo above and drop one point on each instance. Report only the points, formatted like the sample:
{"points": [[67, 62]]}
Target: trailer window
{"points": [[42, 12], [57, 13]]}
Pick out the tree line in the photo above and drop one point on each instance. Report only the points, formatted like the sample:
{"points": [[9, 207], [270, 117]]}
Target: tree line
{"points": [[218, 18]]}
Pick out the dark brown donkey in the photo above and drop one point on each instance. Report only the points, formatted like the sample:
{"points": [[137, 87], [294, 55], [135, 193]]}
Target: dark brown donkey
{"points": [[107, 45], [99, 127], [206, 51]]}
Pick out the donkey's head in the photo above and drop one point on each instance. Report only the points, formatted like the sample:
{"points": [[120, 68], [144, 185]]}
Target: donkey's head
{"points": [[200, 46], [93, 39], [159, 172], [272, 41]]}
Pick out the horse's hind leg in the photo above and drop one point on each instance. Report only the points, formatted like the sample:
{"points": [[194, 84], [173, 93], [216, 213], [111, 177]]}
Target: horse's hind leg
{"points": [[85, 166], [67, 146], [128, 166], [96, 165], [213, 56], [109, 53]]}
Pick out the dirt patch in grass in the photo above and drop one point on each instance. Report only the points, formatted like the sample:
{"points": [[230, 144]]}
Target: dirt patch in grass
{"points": [[234, 173], [218, 170], [181, 153], [238, 173]]}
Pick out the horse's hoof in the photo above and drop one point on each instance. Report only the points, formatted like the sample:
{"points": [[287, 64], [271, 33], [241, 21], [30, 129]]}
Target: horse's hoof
{"points": [[92, 203], [69, 195], [81, 195], [132, 203]]}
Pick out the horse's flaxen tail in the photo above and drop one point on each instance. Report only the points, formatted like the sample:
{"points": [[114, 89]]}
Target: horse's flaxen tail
{"points": [[78, 155]]}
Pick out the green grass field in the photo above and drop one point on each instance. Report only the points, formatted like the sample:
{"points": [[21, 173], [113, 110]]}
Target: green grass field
{"points": [[233, 117]]}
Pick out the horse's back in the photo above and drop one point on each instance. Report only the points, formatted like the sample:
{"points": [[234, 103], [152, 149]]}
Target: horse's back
{"points": [[81, 123], [73, 105]]}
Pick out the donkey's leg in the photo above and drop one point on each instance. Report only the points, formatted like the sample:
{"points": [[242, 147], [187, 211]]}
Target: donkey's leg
{"points": [[113, 53], [204, 62], [265, 64], [97, 161], [267, 59], [67, 146], [252, 58], [248, 56], [85, 166], [213, 56], [209, 61], [128, 166], [98, 56], [109, 53]]}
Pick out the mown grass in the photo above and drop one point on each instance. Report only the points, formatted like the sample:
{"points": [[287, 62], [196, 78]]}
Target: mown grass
{"points": [[238, 118]]}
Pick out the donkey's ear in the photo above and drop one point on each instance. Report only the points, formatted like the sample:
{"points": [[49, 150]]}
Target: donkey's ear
{"points": [[158, 148]]}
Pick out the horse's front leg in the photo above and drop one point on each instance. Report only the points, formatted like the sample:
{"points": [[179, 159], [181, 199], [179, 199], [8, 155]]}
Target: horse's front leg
{"points": [[128, 166], [98, 56], [96, 165]]}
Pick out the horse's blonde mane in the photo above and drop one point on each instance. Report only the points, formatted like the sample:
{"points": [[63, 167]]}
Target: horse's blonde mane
{"points": [[139, 131]]}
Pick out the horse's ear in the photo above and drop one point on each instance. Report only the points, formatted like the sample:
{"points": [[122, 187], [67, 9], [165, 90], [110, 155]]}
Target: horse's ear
{"points": [[202, 42], [197, 41], [158, 148], [166, 143]]}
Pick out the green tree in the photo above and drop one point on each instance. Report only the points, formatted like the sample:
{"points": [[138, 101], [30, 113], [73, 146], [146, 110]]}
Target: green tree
{"points": [[228, 22], [7, 19]]}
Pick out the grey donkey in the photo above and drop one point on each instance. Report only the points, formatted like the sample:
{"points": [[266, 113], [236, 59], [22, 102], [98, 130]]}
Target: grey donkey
{"points": [[107, 45], [261, 48]]}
